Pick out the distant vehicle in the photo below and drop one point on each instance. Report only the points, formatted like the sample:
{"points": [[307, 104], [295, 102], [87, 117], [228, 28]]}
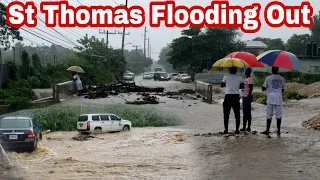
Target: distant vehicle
{"points": [[102, 123], [129, 76], [19, 133], [173, 75], [147, 75], [161, 76], [158, 69], [178, 78], [185, 79]]}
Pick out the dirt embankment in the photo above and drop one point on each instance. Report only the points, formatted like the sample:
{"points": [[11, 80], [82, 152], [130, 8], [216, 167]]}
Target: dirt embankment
{"points": [[311, 90], [313, 123]]}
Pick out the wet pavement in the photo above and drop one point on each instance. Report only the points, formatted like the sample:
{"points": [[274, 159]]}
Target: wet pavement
{"points": [[155, 153]]}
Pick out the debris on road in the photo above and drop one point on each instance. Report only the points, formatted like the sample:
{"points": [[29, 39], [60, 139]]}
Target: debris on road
{"points": [[84, 137], [313, 123], [146, 99], [103, 91]]}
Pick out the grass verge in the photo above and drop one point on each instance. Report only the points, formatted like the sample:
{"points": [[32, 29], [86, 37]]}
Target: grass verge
{"points": [[58, 118]]}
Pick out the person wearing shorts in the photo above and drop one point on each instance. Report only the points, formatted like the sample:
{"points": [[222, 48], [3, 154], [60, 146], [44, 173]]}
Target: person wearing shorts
{"points": [[275, 85]]}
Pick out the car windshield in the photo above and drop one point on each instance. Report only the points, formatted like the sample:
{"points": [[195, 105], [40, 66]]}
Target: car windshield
{"points": [[15, 123]]}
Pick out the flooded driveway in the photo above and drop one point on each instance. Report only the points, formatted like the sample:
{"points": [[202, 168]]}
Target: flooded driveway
{"points": [[182, 152]]}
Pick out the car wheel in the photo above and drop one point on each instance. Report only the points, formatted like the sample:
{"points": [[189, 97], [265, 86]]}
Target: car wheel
{"points": [[33, 147], [97, 131], [126, 128]]}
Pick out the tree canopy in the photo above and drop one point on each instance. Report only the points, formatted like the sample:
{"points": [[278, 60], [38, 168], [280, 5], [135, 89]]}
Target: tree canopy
{"points": [[199, 48], [7, 33], [297, 44]]}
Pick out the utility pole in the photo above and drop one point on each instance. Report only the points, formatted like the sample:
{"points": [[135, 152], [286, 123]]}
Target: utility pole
{"points": [[107, 37], [123, 35], [136, 50], [144, 41], [124, 32], [148, 47]]}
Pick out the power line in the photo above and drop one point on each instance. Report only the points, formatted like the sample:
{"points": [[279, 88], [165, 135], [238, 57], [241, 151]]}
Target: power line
{"points": [[56, 37], [58, 44]]}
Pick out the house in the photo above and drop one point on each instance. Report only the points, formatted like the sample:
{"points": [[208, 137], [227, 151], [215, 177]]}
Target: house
{"points": [[255, 47]]}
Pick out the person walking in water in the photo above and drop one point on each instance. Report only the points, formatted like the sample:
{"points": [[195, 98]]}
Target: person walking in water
{"points": [[232, 83], [275, 84], [77, 80], [247, 100]]}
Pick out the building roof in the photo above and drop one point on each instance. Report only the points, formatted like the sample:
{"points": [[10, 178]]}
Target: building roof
{"points": [[255, 44]]}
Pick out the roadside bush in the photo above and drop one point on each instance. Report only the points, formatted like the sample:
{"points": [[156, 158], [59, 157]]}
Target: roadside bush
{"points": [[17, 103], [18, 84], [258, 83], [57, 118], [34, 82], [288, 95], [260, 97]]}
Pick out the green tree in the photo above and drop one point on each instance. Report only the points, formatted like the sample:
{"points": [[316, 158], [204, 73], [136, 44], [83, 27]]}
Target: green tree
{"points": [[36, 63], [197, 49], [7, 32], [297, 44], [163, 58], [25, 59], [315, 29], [136, 61], [101, 65]]}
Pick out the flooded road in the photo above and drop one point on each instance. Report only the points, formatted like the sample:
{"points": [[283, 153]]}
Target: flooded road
{"points": [[176, 153]]}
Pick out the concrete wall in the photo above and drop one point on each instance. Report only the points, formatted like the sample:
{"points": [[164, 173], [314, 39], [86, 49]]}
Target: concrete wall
{"points": [[212, 78], [63, 90], [205, 89]]}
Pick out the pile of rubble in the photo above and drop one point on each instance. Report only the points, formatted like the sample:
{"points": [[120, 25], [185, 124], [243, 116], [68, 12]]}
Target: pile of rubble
{"points": [[313, 123], [311, 90], [104, 90]]}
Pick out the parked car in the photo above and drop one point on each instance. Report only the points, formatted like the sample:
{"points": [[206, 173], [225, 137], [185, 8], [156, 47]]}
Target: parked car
{"points": [[19, 133], [147, 75], [102, 123], [178, 78], [173, 75], [161, 76], [128, 76]]}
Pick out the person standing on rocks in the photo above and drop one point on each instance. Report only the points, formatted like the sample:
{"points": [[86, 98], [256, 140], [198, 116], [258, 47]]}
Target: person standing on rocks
{"points": [[275, 84], [232, 83], [247, 100]]}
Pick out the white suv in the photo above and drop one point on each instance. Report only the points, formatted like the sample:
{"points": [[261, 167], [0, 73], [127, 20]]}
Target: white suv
{"points": [[101, 123]]}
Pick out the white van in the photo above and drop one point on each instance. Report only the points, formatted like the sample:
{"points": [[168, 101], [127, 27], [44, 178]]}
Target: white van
{"points": [[102, 123]]}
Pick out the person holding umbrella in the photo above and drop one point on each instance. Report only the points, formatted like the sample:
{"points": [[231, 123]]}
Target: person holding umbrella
{"points": [[232, 83], [77, 80], [275, 84]]}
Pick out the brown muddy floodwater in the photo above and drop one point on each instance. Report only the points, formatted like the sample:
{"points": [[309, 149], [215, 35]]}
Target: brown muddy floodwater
{"points": [[182, 152]]}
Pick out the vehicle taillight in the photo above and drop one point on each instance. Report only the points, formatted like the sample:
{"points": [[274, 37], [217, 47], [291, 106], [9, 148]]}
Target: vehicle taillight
{"points": [[88, 124], [31, 135]]}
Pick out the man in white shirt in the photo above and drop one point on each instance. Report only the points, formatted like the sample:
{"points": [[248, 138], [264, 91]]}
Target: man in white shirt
{"points": [[77, 80], [232, 83], [275, 84]]}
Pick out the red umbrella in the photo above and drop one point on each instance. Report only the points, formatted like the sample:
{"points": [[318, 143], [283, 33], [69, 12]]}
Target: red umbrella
{"points": [[249, 58]]}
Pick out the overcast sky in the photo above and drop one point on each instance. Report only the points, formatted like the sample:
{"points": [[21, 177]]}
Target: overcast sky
{"points": [[160, 37]]}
